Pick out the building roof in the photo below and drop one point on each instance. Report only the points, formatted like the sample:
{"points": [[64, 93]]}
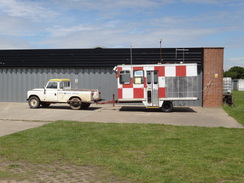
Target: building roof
{"points": [[97, 57]]}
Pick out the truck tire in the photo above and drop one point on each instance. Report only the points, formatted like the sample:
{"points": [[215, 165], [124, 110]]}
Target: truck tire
{"points": [[85, 105], [45, 104], [34, 102], [167, 106], [75, 103]]}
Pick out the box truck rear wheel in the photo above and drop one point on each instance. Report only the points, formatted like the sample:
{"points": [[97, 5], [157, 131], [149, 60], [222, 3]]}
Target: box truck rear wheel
{"points": [[167, 106]]}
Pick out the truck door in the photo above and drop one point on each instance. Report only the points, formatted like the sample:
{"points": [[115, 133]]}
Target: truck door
{"points": [[51, 92], [152, 88]]}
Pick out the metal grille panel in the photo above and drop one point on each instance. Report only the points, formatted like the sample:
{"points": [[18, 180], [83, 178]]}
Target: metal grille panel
{"points": [[179, 87]]}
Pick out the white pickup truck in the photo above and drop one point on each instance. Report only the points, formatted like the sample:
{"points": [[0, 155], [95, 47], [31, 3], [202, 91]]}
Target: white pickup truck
{"points": [[59, 91]]}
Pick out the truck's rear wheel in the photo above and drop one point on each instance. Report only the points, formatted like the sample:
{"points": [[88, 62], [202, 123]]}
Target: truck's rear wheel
{"points": [[34, 102], [167, 106], [75, 104], [85, 105]]}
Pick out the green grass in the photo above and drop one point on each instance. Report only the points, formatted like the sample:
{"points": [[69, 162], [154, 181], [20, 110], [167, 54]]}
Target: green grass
{"points": [[137, 152], [237, 110]]}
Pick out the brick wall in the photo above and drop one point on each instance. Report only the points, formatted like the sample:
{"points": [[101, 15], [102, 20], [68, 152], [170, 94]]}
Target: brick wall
{"points": [[212, 86]]}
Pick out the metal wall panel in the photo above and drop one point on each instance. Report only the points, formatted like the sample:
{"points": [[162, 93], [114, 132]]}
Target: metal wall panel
{"points": [[15, 82], [181, 87], [198, 92]]}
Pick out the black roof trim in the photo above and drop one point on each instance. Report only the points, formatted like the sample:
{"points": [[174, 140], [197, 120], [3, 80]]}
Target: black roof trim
{"points": [[97, 57]]}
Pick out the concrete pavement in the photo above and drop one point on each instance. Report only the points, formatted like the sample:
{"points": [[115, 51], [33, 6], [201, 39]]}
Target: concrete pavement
{"points": [[14, 116], [8, 126]]}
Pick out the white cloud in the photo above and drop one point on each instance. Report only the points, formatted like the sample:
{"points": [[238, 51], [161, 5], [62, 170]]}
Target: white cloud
{"points": [[104, 5], [237, 60], [231, 62], [218, 2], [81, 37], [12, 26], [14, 43], [58, 31], [33, 10]]}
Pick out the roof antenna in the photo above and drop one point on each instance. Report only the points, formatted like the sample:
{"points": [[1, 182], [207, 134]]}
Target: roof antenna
{"points": [[160, 42]]}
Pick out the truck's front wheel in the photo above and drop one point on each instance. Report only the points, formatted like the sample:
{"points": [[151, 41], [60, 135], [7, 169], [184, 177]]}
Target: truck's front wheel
{"points": [[34, 102], [75, 104]]}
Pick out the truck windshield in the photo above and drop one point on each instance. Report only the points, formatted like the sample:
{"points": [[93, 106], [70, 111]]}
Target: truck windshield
{"points": [[52, 85]]}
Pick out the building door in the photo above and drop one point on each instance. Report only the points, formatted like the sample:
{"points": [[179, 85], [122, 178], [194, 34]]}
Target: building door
{"points": [[152, 89]]}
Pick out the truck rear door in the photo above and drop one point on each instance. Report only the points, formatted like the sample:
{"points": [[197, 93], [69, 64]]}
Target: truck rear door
{"points": [[152, 88]]}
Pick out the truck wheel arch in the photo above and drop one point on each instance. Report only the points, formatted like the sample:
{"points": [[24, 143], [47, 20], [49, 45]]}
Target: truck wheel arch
{"points": [[74, 97]]}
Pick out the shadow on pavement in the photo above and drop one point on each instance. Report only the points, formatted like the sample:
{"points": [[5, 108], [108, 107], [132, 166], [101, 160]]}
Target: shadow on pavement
{"points": [[144, 109], [68, 108]]}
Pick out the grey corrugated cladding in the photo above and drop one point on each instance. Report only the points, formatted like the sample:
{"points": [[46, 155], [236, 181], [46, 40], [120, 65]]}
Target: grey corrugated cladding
{"points": [[15, 82]]}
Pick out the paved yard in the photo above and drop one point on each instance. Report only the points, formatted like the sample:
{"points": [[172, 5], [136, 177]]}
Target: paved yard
{"points": [[18, 116]]}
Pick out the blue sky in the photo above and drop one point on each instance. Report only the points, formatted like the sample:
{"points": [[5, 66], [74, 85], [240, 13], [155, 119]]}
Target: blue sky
{"points": [[44, 24]]}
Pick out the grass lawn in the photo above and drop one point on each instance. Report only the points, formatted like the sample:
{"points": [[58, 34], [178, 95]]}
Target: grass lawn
{"points": [[237, 110], [137, 152]]}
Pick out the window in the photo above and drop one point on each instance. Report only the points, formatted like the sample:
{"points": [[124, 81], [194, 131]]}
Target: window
{"points": [[152, 77], [52, 85], [138, 77], [149, 79], [155, 77], [64, 85], [61, 85], [124, 77]]}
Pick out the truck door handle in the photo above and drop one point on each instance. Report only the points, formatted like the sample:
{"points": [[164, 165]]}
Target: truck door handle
{"points": [[55, 94]]}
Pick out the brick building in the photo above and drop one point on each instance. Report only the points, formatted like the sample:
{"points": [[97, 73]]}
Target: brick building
{"points": [[213, 77]]}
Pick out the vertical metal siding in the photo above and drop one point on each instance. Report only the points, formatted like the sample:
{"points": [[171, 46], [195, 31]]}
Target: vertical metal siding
{"points": [[15, 82]]}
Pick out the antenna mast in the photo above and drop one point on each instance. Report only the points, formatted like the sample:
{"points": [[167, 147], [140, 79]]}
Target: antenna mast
{"points": [[160, 42]]}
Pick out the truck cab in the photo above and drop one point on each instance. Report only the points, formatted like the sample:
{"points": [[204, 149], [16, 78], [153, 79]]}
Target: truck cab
{"points": [[59, 84], [53, 87]]}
